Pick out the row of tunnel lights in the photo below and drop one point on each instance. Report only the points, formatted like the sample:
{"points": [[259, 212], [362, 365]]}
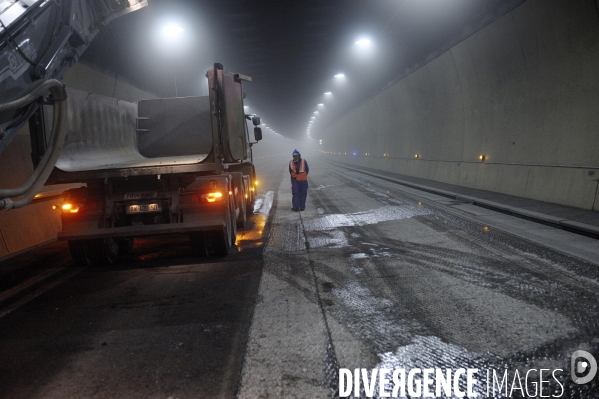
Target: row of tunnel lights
{"points": [[481, 158], [245, 107], [362, 42], [328, 93]]}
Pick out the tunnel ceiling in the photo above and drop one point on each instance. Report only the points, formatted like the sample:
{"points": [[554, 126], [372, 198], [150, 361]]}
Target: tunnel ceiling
{"points": [[291, 49]]}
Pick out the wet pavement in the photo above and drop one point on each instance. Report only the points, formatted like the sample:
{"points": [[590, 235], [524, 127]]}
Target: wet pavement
{"points": [[159, 323], [373, 275]]}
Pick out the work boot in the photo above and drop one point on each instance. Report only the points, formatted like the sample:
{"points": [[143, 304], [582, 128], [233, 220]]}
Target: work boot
{"points": [[301, 209], [294, 209]]}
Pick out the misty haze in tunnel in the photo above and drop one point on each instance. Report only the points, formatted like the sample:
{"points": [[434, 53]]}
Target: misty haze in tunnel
{"points": [[292, 50]]}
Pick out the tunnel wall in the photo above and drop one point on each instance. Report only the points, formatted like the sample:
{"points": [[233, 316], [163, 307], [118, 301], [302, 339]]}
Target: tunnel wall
{"points": [[38, 223], [523, 91]]}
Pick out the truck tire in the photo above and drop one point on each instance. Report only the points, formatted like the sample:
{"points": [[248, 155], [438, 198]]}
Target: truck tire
{"points": [[249, 203], [103, 251], [94, 252], [125, 245], [242, 217], [199, 244], [237, 180], [251, 200], [79, 252], [233, 221]]}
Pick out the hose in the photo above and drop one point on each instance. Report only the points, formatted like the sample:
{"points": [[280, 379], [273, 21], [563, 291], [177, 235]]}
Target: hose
{"points": [[41, 173]]}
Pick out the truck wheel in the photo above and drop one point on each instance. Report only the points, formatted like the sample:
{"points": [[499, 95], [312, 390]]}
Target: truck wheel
{"points": [[103, 251], [199, 243], [125, 245], [238, 184], [78, 250], [249, 205], [233, 222], [242, 217]]}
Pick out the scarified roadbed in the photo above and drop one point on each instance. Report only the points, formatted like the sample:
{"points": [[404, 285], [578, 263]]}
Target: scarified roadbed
{"points": [[373, 276]]}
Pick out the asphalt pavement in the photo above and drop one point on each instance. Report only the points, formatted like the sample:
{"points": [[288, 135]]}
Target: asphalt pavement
{"points": [[378, 275], [372, 275], [160, 323]]}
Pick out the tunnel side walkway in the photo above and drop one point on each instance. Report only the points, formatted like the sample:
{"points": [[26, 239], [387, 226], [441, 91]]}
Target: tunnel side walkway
{"points": [[566, 217]]}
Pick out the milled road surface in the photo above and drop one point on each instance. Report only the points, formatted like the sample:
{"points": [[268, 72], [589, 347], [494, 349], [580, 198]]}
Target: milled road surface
{"points": [[371, 275], [374, 275]]}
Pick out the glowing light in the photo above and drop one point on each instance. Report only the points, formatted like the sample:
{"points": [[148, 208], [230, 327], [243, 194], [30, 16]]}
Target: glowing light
{"points": [[70, 208], [363, 42], [340, 75], [212, 197], [328, 93], [172, 31]]}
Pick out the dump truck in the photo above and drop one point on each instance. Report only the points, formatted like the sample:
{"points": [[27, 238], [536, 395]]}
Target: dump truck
{"points": [[158, 166]]}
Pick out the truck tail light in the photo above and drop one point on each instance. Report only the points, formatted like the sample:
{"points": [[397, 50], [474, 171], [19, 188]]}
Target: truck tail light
{"points": [[209, 197], [68, 207], [78, 207]]}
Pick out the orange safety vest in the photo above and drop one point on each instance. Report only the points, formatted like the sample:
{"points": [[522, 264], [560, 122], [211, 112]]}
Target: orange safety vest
{"points": [[301, 173]]}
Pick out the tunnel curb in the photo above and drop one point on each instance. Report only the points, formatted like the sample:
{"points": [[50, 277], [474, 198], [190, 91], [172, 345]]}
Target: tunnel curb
{"points": [[543, 218]]}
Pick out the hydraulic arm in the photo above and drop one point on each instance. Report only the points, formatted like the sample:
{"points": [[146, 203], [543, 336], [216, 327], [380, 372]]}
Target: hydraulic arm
{"points": [[39, 41]]}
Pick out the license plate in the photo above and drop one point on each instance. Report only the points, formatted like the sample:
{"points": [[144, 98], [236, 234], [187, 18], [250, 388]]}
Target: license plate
{"points": [[144, 208]]}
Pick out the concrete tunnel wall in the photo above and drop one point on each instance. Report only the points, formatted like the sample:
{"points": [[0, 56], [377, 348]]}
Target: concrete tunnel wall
{"points": [[523, 91], [37, 223]]}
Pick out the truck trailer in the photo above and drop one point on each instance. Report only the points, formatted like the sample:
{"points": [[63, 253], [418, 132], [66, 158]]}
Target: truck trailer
{"points": [[159, 166]]}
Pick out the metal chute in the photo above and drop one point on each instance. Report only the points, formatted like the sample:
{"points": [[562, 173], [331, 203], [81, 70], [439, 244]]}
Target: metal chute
{"points": [[40, 40]]}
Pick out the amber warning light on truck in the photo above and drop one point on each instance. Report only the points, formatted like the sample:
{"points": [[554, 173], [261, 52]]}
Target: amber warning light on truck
{"points": [[208, 197]]}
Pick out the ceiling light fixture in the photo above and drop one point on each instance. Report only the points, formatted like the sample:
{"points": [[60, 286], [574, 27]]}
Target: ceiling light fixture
{"points": [[172, 31]]}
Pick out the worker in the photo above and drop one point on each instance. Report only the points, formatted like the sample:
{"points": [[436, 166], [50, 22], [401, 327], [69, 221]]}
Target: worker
{"points": [[298, 169]]}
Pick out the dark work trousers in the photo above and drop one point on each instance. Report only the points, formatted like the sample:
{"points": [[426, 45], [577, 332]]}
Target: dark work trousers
{"points": [[299, 190]]}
